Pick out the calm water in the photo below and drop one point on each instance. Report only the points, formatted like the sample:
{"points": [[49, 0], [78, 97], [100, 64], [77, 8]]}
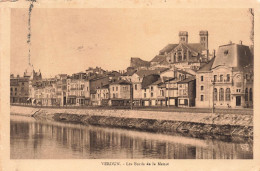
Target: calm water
{"points": [[31, 139]]}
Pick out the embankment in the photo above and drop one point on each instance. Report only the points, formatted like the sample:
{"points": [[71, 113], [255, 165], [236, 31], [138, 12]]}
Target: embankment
{"points": [[197, 124]]}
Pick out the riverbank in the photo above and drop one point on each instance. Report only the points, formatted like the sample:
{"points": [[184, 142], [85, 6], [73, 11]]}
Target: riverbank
{"points": [[157, 121]]}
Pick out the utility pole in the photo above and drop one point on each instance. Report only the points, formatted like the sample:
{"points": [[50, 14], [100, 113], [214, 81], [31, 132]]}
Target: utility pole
{"points": [[168, 94], [131, 96], [213, 85]]}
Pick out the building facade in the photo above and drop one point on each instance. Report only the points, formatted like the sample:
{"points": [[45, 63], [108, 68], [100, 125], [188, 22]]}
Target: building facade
{"points": [[19, 89], [227, 80], [120, 92], [187, 92]]}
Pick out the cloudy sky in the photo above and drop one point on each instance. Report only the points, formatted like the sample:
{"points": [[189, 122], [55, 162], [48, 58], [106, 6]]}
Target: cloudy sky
{"points": [[71, 40]]}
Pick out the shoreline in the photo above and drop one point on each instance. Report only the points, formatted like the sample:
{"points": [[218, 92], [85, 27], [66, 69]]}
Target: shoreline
{"points": [[190, 124]]}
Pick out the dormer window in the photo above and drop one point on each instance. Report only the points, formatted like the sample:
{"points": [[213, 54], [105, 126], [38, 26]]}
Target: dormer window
{"points": [[226, 52]]}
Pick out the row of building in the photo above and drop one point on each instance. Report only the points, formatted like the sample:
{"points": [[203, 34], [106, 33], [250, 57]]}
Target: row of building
{"points": [[183, 75]]}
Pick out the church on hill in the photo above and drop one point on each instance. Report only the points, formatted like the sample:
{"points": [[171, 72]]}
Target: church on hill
{"points": [[184, 54]]}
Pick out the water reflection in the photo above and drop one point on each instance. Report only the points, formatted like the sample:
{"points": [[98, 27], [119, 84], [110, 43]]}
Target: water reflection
{"points": [[38, 139]]}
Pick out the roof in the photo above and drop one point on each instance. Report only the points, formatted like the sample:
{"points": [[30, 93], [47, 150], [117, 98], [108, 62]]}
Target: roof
{"points": [[143, 73], [233, 55], [183, 72], [159, 59], [157, 82], [150, 79], [138, 62], [168, 48], [103, 87], [121, 82], [187, 80], [207, 66], [166, 79], [195, 46], [129, 73]]}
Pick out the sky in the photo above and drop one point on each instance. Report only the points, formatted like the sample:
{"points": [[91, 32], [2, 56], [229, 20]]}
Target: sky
{"points": [[71, 40]]}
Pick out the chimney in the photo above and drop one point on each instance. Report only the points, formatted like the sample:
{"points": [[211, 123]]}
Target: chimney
{"points": [[240, 42], [214, 53]]}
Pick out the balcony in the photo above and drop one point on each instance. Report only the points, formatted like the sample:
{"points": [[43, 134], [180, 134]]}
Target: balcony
{"points": [[222, 81]]}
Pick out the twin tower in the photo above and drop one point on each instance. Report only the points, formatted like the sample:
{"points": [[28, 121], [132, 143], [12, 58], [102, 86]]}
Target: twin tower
{"points": [[183, 38]]}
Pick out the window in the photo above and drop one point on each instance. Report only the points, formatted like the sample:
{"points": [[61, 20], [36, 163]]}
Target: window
{"points": [[250, 94], [215, 94], [114, 96], [221, 94], [11, 89], [113, 88], [135, 86], [215, 78], [201, 87], [221, 78], [144, 95], [179, 56], [161, 92], [152, 94], [201, 98], [116, 88], [184, 56], [228, 77], [201, 78], [246, 94], [151, 88], [226, 52], [228, 94], [15, 89], [238, 90]]}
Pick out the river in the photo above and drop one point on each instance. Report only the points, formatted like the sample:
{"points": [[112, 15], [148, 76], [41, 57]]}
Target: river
{"points": [[33, 139]]}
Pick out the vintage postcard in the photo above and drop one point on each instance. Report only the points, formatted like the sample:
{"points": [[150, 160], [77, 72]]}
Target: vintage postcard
{"points": [[144, 85]]}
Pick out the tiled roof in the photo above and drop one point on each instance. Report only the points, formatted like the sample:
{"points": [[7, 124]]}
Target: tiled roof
{"points": [[187, 80]]}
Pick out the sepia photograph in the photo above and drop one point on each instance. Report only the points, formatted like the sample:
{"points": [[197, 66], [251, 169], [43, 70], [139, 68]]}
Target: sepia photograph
{"points": [[125, 83], [139, 84]]}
